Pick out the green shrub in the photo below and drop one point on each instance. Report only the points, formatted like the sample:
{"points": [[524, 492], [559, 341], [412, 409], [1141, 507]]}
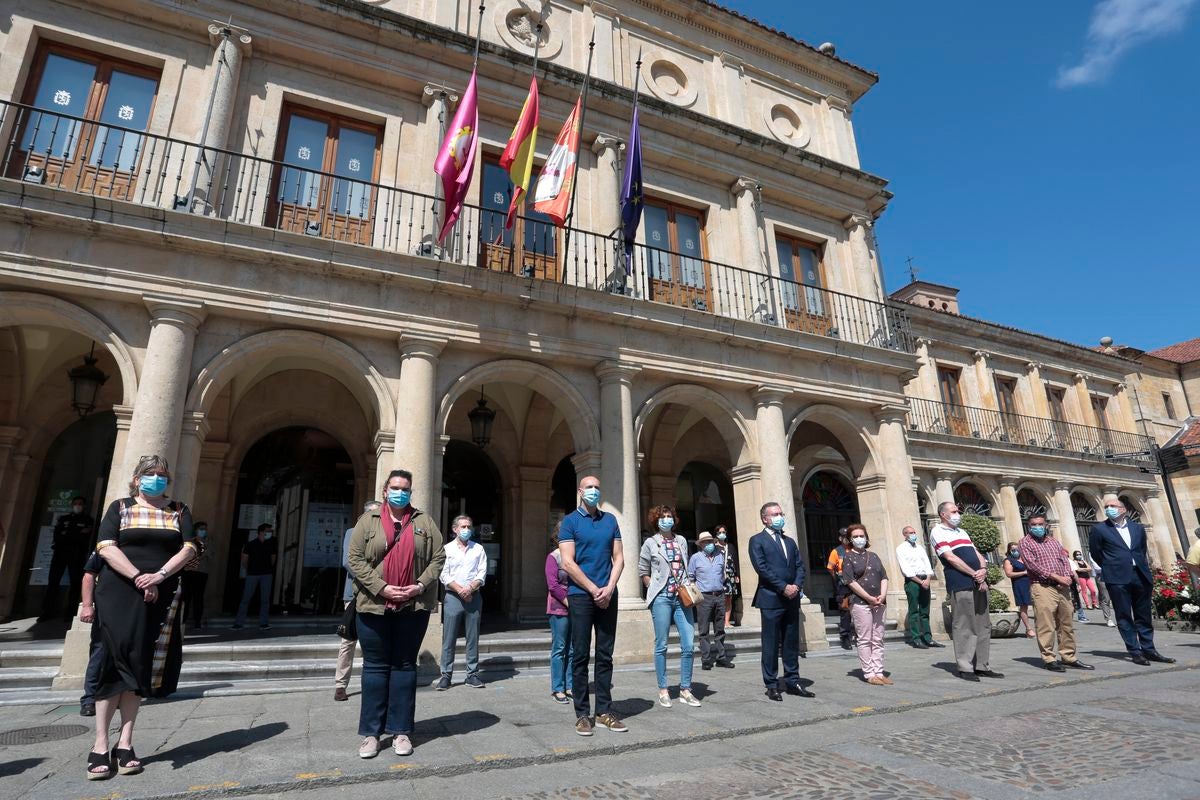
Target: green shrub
{"points": [[997, 600], [984, 532], [994, 575]]}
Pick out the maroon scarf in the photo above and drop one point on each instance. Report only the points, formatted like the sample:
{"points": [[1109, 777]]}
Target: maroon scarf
{"points": [[398, 564]]}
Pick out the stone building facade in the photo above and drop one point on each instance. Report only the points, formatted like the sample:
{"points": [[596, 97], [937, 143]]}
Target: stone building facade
{"points": [[236, 221]]}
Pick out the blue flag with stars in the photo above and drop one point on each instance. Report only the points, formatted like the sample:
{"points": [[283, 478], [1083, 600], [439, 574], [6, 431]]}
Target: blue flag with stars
{"points": [[631, 191]]}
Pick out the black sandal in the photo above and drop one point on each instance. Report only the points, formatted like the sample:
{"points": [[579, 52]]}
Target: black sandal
{"points": [[99, 760], [123, 757]]}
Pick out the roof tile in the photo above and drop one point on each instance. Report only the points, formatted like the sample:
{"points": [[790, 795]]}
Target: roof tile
{"points": [[1180, 353]]}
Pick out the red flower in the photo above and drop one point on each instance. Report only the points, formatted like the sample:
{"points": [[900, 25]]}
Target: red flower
{"points": [[1168, 593]]}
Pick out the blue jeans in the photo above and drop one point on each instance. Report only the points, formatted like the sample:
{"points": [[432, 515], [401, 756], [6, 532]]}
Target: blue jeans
{"points": [[664, 610], [91, 678], [390, 644], [560, 653], [263, 584]]}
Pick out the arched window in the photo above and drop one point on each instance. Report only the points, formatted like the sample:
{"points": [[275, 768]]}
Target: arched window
{"points": [[1131, 508], [1029, 504], [972, 501], [1085, 518]]}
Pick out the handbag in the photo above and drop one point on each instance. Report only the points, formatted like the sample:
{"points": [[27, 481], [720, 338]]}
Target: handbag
{"points": [[689, 594], [348, 627]]}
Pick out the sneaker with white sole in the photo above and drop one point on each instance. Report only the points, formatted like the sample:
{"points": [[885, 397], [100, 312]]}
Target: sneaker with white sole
{"points": [[1111, 624], [402, 745], [474, 682], [369, 747], [612, 722], [443, 684]]}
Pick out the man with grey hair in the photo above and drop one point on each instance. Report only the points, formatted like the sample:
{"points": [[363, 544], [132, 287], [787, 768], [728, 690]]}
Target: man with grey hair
{"points": [[1118, 545], [345, 659], [966, 583], [463, 575]]}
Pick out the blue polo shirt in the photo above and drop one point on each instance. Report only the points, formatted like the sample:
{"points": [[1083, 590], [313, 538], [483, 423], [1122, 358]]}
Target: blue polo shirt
{"points": [[593, 537]]}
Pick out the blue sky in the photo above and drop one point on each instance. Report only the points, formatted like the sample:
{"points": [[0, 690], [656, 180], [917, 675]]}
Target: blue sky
{"points": [[1043, 154]]}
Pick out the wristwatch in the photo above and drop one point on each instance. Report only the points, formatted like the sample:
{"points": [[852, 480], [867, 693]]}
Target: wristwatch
{"points": [[162, 572]]}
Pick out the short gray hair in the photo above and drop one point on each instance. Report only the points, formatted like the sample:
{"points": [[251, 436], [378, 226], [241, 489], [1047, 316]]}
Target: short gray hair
{"points": [[942, 506], [459, 519], [146, 465]]}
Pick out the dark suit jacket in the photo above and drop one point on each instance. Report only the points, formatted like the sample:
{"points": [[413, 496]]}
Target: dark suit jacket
{"points": [[774, 571], [1120, 564]]}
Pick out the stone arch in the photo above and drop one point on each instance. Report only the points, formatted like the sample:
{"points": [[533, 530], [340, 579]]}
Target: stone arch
{"points": [[360, 376], [983, 487], [30, 308], [1044, 497], [585, 428], [1136, 504], [717, 409], [268, 421], [1089, 493], [850, 432]]}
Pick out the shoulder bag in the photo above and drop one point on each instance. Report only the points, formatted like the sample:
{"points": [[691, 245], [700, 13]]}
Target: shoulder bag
{"points": [[348, 627]]}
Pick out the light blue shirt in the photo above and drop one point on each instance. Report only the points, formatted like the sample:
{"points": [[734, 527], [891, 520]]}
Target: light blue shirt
{"points": [[348, 592], [708, 571]]}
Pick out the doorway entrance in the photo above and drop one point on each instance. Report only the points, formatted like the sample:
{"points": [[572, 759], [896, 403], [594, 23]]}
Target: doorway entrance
{"points": [[301, 481], [471, 486], [829, 505]]}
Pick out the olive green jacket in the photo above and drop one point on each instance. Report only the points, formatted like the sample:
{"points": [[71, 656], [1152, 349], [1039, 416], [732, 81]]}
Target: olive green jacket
{"points": [[367, 547]]}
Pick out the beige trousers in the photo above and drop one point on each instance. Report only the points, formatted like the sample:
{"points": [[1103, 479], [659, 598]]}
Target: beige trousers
{"points": [[1052, 610]]}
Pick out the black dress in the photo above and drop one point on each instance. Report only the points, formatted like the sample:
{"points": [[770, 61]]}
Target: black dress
{"points": [[143, 641]]}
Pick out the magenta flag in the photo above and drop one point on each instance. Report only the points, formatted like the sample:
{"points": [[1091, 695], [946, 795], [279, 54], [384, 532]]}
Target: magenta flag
{"points": [[456, 160]]}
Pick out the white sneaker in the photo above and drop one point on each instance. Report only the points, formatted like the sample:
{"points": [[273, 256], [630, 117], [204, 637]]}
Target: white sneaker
{"points": [[369, 747], [1112, 624], [401, 745]]}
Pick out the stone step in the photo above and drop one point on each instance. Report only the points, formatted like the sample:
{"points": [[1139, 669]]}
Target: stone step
{"points": [[27, 677], [31, 657]]}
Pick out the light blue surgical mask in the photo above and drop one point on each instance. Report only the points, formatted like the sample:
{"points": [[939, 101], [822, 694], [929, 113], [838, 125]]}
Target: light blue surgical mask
{"points": [[153, 485], [777, 522], [1037, 531], [709, 548], [267, 535], [721, 537], [912, 538], [591, 496], [465, 534], [1112, 512], [398, 498], [665, 524], [859, 542], [201, 532]]}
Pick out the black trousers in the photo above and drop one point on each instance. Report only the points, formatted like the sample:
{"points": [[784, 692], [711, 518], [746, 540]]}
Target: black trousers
{"points": [[193, 595], [845, 627], [780, 635], [585, 617], [71, 562], [1131, 606]]}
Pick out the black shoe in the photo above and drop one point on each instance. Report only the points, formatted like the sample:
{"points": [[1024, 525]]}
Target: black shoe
{"points": [[1054, 666], [726, 663], [87, 709], [799, 691], [706, 666], [919, 645], [1077, 665], [773, 694], [987, 673], [443, 683], [1154, 655], [1140, 660], [846, 645], [969, 676], [932, 643]]}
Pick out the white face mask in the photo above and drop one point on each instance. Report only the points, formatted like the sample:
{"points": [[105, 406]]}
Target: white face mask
{"points": [[955, 519], [859, 542]]}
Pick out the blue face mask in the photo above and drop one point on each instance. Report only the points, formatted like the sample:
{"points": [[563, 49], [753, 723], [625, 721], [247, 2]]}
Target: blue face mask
{"points": [[721, 538], [153, 485], [591, 496], [200, 532], [1112, 512], [398, 498], [1037, 531], [465, 534], [709, 548], [912, 538], [665, 524], [777, 522]]}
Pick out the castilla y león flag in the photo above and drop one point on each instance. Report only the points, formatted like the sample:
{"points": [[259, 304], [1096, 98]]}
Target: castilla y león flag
{"points": [[517, 157], [552, 193], [456, 160]]}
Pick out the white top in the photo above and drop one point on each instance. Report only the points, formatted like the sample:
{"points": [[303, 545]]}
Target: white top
{"points": [[944, 538], [913, 560], [1123, 529], [464, 566]]}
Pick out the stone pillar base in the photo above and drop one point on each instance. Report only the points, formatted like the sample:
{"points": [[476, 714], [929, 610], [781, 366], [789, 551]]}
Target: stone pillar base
{"points": [[812, 624], [429, 659], [77, 648], [635, 636]]}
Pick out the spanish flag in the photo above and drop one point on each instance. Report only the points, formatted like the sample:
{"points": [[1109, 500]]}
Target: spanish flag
{"points": [[552, 192], [517, 157]]}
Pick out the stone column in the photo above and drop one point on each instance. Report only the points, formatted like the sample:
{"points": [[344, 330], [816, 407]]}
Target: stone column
{"points": [[618, 469], [232, 47], [533, 543], [414, 450], [1083, 399], [607, 27], [867, 283], [437, 100], [10, 551], [927, 380], [1164, 540], [943, 491], [1036, 390], [1121, 412], [765, 305], [731, 75], [985, 387], [746, 480], [601, 215], [162, 390], [1068, 531], [1014, 525], [9, 436], [191, 443]]}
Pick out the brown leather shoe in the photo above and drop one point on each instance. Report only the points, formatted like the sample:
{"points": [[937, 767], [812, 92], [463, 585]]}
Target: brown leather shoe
{"points": [[340, 695], [886, 680], [876, 681]]}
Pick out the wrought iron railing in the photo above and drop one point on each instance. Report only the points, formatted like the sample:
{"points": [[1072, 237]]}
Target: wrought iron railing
{"points": [[84, 156], [929, 416]]}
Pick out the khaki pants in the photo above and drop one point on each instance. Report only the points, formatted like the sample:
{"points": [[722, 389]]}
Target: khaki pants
{"points": [[345, 661], [1052, 609], [972, 630]]}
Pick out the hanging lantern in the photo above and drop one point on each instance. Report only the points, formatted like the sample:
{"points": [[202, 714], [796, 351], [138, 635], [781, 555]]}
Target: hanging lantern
{"points": [[86, 380], [481, 421]]}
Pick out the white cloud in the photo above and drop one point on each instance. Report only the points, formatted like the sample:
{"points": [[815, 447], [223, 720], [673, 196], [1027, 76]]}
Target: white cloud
{"points": [[1118, 26]]}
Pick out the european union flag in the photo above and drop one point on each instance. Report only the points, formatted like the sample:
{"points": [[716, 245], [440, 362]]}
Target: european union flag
{"points": [[631, 191]]}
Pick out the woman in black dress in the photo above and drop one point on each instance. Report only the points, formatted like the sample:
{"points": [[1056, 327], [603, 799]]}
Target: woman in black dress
{"points": [[145, 540], [1014, 568]]}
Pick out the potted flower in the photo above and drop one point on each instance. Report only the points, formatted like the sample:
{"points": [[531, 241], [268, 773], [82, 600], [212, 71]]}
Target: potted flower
{"points": [[1174, 600]]}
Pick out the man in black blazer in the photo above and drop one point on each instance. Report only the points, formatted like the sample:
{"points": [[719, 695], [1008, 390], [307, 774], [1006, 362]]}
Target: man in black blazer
{"points": [[780, 569], [1118, 546]]}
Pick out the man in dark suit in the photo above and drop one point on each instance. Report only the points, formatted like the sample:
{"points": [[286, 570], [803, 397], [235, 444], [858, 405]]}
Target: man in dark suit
{"points": [[1118, 546], [780, 569]]}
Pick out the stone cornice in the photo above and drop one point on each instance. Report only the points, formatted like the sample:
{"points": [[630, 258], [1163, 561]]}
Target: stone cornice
{"points": [[186, 314], [607, 141], [422, 345]]}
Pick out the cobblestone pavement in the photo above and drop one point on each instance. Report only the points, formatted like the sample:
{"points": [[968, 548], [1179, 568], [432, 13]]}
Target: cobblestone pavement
{"points": [[1121, 732]]}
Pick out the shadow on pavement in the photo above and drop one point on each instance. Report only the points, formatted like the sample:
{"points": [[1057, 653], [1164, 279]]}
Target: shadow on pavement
{"points": [[227, 742], [453, 725], [631, 707], [1119, 655], [11, 768], [1033, 661], [946, 666]]}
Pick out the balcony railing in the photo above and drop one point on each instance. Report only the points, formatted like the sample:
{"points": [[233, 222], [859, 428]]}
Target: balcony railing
{"points": [[87, 157], [928, 416]]}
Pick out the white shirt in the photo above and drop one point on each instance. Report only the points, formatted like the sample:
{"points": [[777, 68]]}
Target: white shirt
{"points": [[464, 566], [913, 560], [1123, 529]]}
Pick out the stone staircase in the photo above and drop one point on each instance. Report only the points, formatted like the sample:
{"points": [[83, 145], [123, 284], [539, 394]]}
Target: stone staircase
{"points": [[298, 654]]}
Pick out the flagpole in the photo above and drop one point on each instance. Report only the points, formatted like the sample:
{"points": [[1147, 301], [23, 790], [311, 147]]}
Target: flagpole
{"points": [[637, 80], [587, 84]]}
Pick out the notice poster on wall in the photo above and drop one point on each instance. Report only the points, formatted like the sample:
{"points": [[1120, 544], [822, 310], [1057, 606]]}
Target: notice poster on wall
{"points": [[327, 522], [251, 515], [58, 504]]}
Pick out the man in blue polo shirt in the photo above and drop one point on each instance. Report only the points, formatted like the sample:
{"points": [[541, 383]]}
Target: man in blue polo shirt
{"points": [[589, 542]]}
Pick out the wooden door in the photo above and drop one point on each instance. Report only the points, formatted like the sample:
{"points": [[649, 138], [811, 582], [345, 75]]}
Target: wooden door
{"points": [[677, 271], [802, 279], [956, 420], [1006, 398], [530, 247]]}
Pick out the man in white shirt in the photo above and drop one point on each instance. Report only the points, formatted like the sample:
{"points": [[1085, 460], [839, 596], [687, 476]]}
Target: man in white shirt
{"points": [[463, 576], [917, 571]]}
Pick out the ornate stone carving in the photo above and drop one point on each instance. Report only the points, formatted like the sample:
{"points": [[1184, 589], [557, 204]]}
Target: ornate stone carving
{"points": [[517, 23], [786, 124], [435, 91], [668, 81]]}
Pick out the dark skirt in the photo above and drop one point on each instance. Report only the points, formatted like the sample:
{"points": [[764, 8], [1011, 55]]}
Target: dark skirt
{"points": [[1021, 593], [143, 641]]}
